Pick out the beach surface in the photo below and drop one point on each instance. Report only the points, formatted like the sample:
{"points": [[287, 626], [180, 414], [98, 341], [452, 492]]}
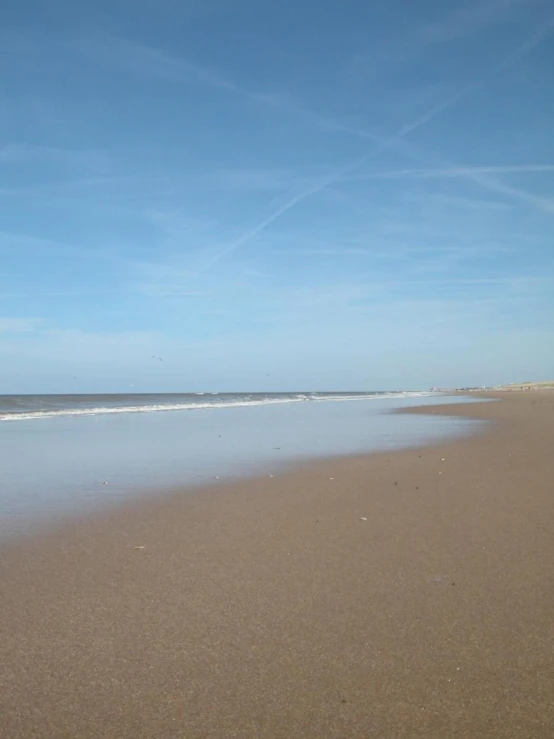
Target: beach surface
{"points": [[400, 594]]}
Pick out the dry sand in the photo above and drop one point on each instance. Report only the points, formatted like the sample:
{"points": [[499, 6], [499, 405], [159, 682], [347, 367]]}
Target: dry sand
{"points": [[409, 596]]}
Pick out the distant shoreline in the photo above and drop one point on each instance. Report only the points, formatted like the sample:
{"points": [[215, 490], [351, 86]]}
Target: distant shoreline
{"points": [[513, 386]]}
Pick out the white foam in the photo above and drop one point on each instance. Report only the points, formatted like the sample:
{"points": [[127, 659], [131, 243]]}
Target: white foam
{"points": [[380, 396], [161, 407]]}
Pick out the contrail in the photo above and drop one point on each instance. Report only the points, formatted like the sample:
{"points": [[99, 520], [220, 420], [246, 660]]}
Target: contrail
{"points": [[384, 143], [398, 142], [313, 190], [446, 172]]}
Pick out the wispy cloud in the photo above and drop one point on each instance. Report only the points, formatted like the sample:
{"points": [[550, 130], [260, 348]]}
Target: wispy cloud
{"points": [[338, 175], [250, 179], [396, 142], [528, 46], [458, 201], [468, 20], [482, 178], [540, 202], [149, 60], [452, 172], [347, 251], [45, 294], [168, 276], [376, 246], [400, 144], [465, 20], [523, 282], [316, 187], [17, 153], [165, 290], [145, 59], [10, 241], [19, 325], [152, 61]]}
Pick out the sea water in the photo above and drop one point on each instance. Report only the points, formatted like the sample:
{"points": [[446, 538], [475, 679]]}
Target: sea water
{"points": [[63, 455]]}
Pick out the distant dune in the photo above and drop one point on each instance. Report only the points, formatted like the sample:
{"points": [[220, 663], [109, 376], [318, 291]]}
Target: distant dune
{"points": [[545, 385]]}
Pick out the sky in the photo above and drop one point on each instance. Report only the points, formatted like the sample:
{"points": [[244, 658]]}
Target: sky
{"points": [[275, 195]]}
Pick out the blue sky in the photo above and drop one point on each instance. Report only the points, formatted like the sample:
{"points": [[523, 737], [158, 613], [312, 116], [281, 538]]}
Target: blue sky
{"points": [[275, 194]]}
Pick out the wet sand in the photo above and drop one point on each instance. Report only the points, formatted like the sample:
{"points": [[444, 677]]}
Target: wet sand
{"points": [[406, 594]]}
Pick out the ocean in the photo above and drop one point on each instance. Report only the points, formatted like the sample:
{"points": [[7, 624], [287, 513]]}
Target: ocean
{"points": [[27, 407], [64, 455]]}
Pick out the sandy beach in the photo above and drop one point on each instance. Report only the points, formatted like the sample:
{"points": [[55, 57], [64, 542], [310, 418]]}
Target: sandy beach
{"points": [[404, 594]]}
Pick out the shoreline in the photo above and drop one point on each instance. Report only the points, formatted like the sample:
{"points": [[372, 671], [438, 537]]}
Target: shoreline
{"points": [[105, 464], [400, 593]]}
